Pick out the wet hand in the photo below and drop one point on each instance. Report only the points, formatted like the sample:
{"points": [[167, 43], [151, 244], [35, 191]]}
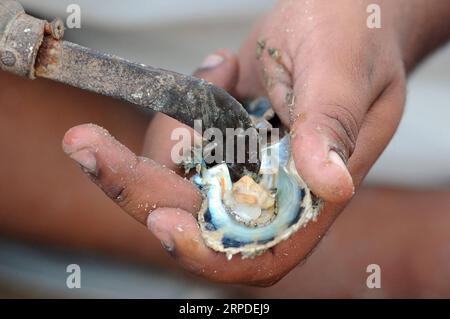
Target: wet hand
{"points": [[340, 88], [338, 85]]}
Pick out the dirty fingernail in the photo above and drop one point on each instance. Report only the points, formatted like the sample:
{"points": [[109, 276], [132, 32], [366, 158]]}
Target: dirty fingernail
{"points": [[212, 61], [337, 160], [86, 159], [167, 246], [155, 225]]}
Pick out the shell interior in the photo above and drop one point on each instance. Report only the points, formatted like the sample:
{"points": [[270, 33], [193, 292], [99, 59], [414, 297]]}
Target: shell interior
{"points": [[248, 224]]}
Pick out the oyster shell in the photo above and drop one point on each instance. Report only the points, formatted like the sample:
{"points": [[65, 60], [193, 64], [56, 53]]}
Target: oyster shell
{"points": [[249, 216]]}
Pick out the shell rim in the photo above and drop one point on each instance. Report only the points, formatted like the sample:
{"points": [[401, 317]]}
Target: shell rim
{"points": [[311, 208]]}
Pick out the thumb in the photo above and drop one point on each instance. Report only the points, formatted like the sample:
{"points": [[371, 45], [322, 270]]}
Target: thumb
{"points": [[325, 122], [325, 107]]}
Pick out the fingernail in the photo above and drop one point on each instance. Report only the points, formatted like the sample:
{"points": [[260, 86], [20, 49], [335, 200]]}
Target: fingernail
{"points": [[154, 224], [342, 192], [167, 246], [212, 61], [337, 160], [86, 159]]}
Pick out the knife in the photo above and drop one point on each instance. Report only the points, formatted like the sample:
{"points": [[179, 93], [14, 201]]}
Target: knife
{"points": [[31, 47]]}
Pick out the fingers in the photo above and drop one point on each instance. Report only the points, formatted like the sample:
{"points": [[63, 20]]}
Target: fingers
{"points": [[275, 68], [158, 143], [136, 184], [180, 235], [265, 69]]}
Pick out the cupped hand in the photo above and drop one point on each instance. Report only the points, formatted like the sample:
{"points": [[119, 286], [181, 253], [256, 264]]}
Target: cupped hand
{"points": [[338, 85]]}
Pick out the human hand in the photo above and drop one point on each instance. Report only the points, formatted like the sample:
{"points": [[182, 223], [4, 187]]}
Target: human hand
{"points": [[337, 84], [340, 88]]}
